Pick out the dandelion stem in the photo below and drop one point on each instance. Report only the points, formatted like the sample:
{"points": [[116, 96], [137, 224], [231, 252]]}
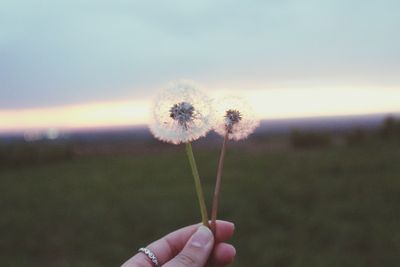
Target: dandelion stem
{"points": [[217, 188], [197, 183]]}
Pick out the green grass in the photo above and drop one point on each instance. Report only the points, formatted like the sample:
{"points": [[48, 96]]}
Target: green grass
{"points": [[332, 206]]}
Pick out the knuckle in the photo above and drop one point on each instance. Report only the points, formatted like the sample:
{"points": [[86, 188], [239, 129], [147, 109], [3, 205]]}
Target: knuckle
{"points": [[186, 259]]}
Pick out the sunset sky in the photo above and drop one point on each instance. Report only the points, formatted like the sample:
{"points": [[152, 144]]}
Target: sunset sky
{"points": [[74, 64]]}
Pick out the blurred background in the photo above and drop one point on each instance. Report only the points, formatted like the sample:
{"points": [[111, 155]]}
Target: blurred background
{"points": [[83, 183]]}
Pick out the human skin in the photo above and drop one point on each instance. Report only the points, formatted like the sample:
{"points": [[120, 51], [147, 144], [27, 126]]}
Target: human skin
{"points": [[191, 246]]}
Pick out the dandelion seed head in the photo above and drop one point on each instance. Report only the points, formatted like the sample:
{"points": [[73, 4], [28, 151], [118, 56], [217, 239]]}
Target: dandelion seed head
{"points": [[233, 115], [181, 113]]}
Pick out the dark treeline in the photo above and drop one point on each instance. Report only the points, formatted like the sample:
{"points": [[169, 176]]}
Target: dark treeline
{"points": [[390, 129]]}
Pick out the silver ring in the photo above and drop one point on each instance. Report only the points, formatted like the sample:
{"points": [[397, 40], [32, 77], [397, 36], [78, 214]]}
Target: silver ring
{"points": [[151, 256]]}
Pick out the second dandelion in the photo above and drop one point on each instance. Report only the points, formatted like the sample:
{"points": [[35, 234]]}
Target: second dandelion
{"points": [[233, 119]]}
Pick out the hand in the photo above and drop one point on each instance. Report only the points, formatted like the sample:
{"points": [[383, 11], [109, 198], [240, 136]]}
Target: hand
{"points": [[191, 246]]}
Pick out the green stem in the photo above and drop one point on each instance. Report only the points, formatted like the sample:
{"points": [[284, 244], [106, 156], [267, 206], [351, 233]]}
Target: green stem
{"points": [[197, 183]]}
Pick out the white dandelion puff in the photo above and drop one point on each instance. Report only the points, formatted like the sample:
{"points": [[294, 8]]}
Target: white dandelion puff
{"points": [[181, 113], [235, 117]]}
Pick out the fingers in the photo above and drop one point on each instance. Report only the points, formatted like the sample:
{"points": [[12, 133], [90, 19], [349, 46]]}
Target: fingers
{"points": [[196, 251], [224, 231], [223, 254], [169, 246]]}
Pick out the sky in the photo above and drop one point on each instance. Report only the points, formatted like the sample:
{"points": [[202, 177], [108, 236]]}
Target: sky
{"points": [[99, 63]]}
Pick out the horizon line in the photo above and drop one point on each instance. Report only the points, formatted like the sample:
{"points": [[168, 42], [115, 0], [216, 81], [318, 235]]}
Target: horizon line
{"points": [[267, 104], [144, 126]]}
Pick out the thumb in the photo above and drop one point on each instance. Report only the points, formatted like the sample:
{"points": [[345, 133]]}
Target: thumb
{"points": [[196, 251]]}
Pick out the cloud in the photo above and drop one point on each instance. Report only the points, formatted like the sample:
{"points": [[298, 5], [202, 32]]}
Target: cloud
{"points": [[60, 52]]}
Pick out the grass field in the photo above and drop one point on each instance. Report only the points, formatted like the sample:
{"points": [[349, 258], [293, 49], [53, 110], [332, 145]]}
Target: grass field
{"points": [[331, 206]]}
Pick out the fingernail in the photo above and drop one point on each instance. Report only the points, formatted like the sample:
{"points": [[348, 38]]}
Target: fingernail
{"points": [[202, 236], [231, 224], [234, 250]]}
